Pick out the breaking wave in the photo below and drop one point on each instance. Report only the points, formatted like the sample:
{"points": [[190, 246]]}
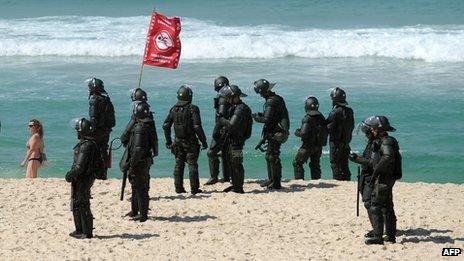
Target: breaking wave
{"points": [[125, 36]]}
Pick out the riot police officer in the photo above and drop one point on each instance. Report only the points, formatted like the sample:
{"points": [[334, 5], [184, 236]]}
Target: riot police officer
{"points": [[386, 170], [188, 133], [101, 113], [238, 127], [313, 133], [143, 146], [368, 158], [137, 96], [219, 143], [81, 176], [340, 124], [275, 130]]}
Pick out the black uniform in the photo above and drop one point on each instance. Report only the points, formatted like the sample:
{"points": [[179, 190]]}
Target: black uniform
{"points": [[340, 124], [98, 113], [276, 121], [312, 145], [143, 145], [219, 142], [370, 156], [188, 132], [82, 177], [239, 127], [386, 170]]}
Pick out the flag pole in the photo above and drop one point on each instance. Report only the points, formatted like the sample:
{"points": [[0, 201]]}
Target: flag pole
{"points": [[145, 50]]}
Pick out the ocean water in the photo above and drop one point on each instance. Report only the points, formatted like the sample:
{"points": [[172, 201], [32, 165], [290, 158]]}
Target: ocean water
{"points": [[402, 60]]}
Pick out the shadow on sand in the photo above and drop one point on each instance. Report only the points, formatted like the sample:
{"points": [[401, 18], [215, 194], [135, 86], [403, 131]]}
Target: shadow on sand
{"points": [[184, 219], [295, 188], [182, 196], [417, 235], [129, 236]]}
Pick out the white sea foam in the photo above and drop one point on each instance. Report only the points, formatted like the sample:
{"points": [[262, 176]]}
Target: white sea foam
{"points": [[125, 36]]}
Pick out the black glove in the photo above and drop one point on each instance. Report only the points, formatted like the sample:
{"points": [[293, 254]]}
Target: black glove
{"points": [[298, 132], [168, 145], [258, 117], [69, 177], [204, 145], [353, 157]]}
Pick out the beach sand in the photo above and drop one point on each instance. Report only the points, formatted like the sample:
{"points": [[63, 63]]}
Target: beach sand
{"points": [[306, 220]]}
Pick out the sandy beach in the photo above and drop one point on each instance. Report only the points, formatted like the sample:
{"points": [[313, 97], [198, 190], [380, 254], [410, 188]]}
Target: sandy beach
{"points": [[306, 220]]}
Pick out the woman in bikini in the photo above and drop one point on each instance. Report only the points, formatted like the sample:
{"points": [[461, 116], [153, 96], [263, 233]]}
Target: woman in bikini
{"points": [[34, 149]]}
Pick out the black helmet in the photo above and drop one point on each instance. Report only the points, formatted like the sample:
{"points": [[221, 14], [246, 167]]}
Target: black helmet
{"points": [[184, 95], [384, 124], [96, 86], [84, 127], [377, 122], [311, 104], [220, 82], [367, 124], [231, 91], [262, 85], [139, 95], [338, 96], [142, 110]]}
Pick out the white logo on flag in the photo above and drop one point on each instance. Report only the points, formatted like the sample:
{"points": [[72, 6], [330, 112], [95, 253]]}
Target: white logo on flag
{"points": [[163, 41]]}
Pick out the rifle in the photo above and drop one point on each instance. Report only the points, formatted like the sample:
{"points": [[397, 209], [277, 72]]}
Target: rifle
{"points": [[357, 192]]}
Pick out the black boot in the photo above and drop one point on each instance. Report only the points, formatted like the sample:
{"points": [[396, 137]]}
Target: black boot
{"points": [[212, 181], [369, 234], [377, 225], [213, 167], [143, 200], [228, 189], [77, 223], [87, 222]]}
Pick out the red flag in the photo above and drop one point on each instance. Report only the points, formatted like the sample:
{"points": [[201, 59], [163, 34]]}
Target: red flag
{"points": [[163, 44]]}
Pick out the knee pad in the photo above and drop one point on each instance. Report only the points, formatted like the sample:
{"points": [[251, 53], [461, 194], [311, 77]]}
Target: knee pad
{"points": [[272, 158], [367, 205], [212, 154]]}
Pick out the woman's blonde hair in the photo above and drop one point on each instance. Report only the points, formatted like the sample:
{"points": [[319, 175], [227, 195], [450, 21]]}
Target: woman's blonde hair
{"points": [[39, 127]]}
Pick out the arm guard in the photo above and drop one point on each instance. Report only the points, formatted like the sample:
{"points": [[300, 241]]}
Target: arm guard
{"points": [[305, 128], [154, 140], [138, 143], [125, 136], [167, 127], [81, 162], [387, 151], [223, 107], [333, 126], [197, 124], [93, 110]]}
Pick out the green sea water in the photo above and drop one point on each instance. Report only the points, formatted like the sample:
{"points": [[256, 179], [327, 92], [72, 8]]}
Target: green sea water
{"points": [[423, 102], [402, 59]]}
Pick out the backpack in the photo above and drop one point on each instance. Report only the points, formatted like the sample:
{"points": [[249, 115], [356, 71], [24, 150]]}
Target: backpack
{"points": [[110, 120], [347, 125], [249, 124], [398, 170], [97, 164], [182, 121], [321, 132]]}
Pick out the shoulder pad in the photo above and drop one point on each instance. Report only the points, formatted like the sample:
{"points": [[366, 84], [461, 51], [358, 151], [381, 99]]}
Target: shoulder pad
{"points": [[222, 101], [389, 141], [139, 127], [306, 119], [86, 145], [194, 108]]}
